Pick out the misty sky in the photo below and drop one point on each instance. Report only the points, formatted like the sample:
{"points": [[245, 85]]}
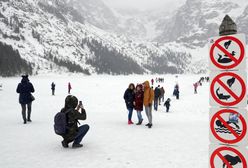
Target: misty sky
{"points": [[143, 4]]}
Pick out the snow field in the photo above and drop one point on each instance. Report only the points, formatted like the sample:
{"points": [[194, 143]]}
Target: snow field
{"points": [[177, 139]]}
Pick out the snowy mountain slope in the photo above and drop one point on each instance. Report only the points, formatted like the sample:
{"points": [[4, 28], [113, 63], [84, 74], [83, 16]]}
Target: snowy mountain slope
{"points": [[196, 21], [96, 13], [70, 36], [242, 22], [54, 37], [190, 26]]}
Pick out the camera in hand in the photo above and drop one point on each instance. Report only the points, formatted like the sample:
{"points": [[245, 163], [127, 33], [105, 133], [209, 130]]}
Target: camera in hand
{"points": [[80, 104]]}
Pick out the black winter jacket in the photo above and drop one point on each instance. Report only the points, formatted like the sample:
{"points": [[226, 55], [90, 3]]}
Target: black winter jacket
{"points": [[129, 97], [25, 88], [72, 122]]}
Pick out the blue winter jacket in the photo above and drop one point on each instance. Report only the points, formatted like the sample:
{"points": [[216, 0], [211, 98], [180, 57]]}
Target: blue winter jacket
{"points": [[25, 88]]}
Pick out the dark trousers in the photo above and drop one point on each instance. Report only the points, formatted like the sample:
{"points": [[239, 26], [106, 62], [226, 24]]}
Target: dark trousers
{"points": [[81, 133], [130, 113], [195, 91], [167, 108], [29, 105], [156, 103], [53, 90]]}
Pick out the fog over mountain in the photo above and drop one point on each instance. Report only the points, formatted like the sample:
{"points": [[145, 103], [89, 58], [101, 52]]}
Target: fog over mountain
{"points": [[144, 4]]}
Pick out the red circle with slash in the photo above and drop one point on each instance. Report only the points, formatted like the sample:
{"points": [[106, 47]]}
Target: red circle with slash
{"points": [[217, 153], [237, 98], [235, 60], [236, 135]]}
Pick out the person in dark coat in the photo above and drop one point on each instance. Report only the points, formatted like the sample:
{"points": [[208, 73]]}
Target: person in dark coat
{"points": [[176, 91], [69, 88], [74, 133], [157, 94], [167, 104], [129, 96], [25, 88], [161, 97], [138, 103], [53, 88]]}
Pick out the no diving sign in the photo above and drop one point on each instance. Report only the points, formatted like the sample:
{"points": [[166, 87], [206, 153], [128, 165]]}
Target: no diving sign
{"points": [[227, 52], [228, 89], [228, 126], [227, 157]]}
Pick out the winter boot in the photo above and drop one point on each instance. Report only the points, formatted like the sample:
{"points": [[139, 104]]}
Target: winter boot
{"points": [[64, 144], [150, 126], [77, 145], [130, 122], [147, 124], [140, 122]]}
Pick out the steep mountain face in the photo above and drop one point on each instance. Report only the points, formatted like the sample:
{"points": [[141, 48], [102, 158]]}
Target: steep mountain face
{"points": [[52, 36], [140, 25], [198, 20], [96, 13]]}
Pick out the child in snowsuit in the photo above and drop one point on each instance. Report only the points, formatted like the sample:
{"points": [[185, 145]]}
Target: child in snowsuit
{"points": [[167, 104]]}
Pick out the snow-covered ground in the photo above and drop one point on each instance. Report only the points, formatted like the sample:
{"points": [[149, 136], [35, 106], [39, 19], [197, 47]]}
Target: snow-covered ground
{"points": [[177, 139]]}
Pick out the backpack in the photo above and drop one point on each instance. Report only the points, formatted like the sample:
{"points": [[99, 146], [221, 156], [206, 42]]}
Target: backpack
{"points": [[60, 122]]}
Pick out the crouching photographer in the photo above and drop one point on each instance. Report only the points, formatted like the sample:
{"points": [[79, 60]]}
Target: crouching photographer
{"points": [[72, 112]]}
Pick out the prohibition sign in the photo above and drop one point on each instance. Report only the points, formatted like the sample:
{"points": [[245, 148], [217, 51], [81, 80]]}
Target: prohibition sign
{"points": [[236, 135], [217, 153], [227, 53], [237, 98]]}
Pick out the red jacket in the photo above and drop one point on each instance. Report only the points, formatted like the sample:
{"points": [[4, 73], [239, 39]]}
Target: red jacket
{"points": [[139, 97]]}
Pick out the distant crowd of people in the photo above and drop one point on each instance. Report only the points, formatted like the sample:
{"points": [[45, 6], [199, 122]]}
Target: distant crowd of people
{"points": [[157, 80]]}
